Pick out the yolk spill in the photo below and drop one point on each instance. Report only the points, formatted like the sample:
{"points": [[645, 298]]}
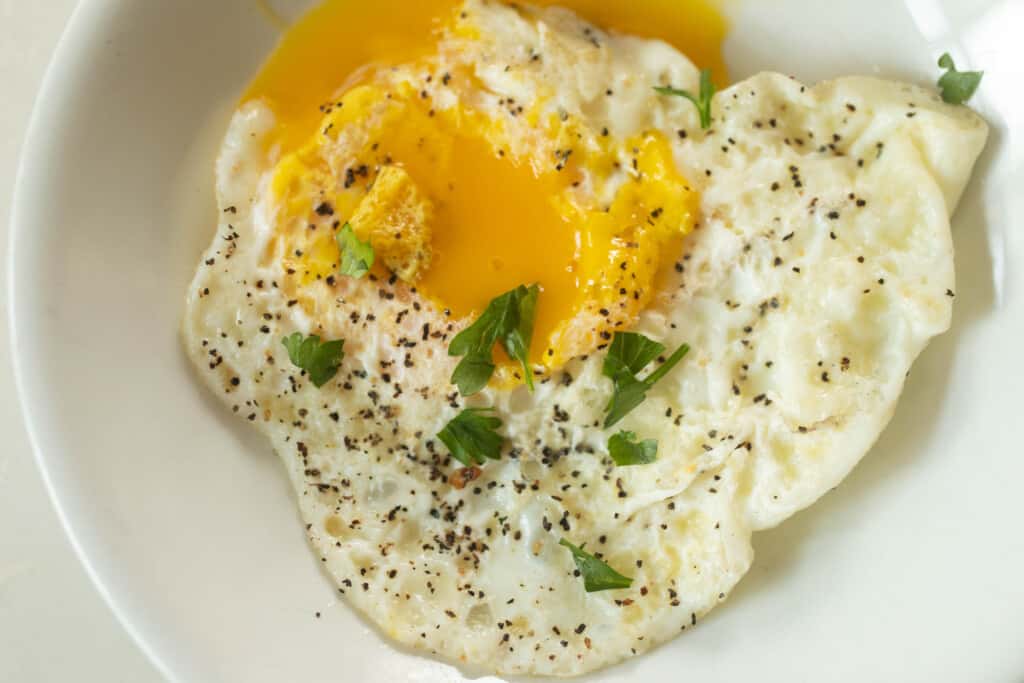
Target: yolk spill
{"points": [[329, 46], [504, 223]]}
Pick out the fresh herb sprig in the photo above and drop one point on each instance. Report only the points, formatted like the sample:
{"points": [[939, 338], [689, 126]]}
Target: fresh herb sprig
{"points": [[702, 100], [597, 575], [625, 450], [957, 86], [320, 360], [628, 355], [356, 256], [507, 320], [472, 438]]}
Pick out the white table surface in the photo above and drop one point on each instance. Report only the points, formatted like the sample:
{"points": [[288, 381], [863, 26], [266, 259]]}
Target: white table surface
{"points": [[53, 624]]}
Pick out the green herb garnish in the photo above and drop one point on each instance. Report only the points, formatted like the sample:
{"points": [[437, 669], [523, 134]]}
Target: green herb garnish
{"points": [[356, 255], [597, 575], [625, 450], [508, 319], [957, 86], [471, 436], [702, 100], [628, 355], [319, 359]]}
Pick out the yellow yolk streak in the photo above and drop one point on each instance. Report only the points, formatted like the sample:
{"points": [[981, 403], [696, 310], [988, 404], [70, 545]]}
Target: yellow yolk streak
{"points": [[622, 249]]}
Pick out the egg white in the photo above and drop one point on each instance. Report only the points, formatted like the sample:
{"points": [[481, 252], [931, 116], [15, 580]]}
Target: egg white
{"points": [[821, 267]]}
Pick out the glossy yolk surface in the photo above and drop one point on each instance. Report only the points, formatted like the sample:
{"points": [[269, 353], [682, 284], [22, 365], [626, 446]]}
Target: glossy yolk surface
{"points": [[499, 221]]}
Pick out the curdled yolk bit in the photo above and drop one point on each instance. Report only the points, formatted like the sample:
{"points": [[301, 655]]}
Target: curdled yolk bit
{"points": [[396, 218], [449, 201]]}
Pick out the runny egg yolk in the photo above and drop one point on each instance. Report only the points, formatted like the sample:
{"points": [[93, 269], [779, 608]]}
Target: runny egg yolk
{"points": [[497, 219]]}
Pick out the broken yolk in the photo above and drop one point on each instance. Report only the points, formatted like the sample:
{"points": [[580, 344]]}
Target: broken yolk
{"points": [[496, 221]]}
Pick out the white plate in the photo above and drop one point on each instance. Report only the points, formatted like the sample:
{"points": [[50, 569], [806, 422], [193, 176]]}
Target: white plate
{"points": [[912, 571]]}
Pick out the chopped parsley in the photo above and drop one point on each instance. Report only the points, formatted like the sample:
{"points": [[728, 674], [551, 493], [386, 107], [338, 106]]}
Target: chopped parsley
{"points": [[356, 255], [508, 320], [319, 359], [628, 355], [625, 450], [597, 575], [957, 86], [471, 436], [702, 100]]}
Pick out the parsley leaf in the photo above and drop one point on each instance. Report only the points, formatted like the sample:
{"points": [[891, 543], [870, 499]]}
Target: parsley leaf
{"points": [[628, 393], [632, 352], [517, 338], [625, 450], [473, 372], [628, 355], [508, 319], [957, 86], [319, 359], [597, 575], [356, 255], [703, 99], [471, 436]]}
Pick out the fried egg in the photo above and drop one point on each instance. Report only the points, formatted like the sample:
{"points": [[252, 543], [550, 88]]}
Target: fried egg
{"points": [[800, 245]]}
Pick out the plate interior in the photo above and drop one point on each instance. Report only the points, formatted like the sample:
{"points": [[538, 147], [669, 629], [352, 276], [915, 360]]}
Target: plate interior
{"points": [[909, 571]]}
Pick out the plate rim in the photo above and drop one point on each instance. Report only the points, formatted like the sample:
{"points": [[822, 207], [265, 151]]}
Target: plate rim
{"points": [[75, 37]]}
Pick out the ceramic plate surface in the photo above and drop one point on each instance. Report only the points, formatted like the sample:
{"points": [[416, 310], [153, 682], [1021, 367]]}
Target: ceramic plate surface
{"points": [[910, 571]]}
